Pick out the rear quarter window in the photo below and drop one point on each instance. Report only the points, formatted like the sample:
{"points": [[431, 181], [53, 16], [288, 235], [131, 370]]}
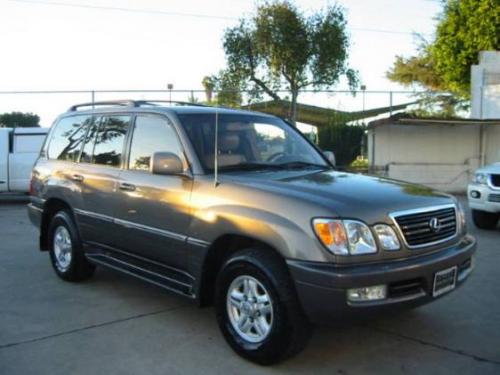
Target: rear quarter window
{"points": [[67, 138]]}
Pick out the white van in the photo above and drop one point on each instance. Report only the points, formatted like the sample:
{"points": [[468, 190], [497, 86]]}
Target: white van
{"points": [[19, 149]]}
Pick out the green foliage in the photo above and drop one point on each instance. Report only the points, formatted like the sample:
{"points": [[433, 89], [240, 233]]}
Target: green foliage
{"points": [[465, 28], [282, 48], [360, 164], [344, 140], [224, 89], [19, 120]]}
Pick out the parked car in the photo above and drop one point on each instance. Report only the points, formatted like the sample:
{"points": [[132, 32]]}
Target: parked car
{"points": [[19, 149], [484, 196], [239, 209]]}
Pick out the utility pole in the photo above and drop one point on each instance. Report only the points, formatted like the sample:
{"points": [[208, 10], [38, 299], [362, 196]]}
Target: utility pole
{"points": [[170, 87]]}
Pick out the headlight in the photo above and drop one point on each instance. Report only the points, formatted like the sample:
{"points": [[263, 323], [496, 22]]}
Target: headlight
{"points": [[344, 237], [387, 237], [480, 178]]}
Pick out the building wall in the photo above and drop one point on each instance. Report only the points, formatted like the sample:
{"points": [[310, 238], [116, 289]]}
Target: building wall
{"points": [[485, 86], [441, 156]]}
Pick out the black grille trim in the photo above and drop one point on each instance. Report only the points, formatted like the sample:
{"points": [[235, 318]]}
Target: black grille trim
{"points": [[415, 229], [495, 180], [494, 198]]}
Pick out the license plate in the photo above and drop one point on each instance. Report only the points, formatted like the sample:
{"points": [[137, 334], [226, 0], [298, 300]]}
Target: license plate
{"points": [[444, 281]]}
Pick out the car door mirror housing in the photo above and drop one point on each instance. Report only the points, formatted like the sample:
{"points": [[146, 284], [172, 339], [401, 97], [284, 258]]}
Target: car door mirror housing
{"points": [[331, 157], [166, 163]]}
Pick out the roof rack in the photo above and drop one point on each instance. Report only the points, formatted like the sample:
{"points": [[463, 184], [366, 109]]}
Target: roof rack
{"points": [[131, 103]]}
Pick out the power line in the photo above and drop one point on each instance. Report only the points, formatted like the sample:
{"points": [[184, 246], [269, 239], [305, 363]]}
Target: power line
{"points": [[180, 14]]}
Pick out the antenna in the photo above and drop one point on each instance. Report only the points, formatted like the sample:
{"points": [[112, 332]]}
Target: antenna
{"points": [[216, 152]]}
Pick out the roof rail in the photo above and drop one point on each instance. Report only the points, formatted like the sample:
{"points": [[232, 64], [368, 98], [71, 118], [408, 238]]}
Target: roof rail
{"points": [[131, 103], [151, 102]]}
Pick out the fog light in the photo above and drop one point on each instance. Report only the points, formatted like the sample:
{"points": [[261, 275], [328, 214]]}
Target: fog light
{"points": [[475, 194], [368, 293]]}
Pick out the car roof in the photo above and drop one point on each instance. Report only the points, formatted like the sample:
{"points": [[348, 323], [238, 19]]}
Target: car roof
{"points": [[168, 109]]}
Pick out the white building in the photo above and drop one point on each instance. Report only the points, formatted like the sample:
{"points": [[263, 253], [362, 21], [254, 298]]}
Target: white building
{"points": [[485, 86]]}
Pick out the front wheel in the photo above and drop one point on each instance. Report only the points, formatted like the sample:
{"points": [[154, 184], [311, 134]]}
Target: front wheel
{"points": [[257, 308], [484, 220]]}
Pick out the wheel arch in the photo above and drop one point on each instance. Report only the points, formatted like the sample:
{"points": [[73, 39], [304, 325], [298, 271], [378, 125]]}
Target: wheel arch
{"points": [[218, 252], [50, 208]]}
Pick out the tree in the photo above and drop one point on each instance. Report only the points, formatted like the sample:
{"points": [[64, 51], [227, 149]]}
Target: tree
{"points": [[227, 88], [464, 29], [281, 47], [19, 120]]}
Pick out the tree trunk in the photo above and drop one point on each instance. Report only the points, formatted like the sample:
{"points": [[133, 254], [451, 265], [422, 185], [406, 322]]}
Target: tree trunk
{"points": [[293, 107]]}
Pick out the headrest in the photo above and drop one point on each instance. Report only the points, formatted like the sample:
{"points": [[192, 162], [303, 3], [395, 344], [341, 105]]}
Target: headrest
{"points": [[228, 141]]}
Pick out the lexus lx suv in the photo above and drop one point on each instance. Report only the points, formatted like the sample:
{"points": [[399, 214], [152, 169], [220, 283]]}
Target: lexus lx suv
{"points": [[238, 209]]}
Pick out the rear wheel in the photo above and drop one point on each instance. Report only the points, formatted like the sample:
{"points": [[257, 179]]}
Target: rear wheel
{"points": [[66, 252], [485, 220], [257, 308]]}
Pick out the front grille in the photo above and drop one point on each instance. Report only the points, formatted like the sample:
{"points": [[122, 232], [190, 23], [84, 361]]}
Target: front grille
{"points": [[494, 198], [495, 180], [418, 230]]}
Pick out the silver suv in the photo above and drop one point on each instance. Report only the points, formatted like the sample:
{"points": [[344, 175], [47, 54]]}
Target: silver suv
{"points": [[239, 209]]}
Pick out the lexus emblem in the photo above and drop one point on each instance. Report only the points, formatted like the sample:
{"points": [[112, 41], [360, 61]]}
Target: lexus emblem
{"points": [[435, 224]]}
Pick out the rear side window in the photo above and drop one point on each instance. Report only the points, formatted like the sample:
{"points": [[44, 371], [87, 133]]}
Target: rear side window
{"points": [[152, 134], [28, 143], [67, 138], [105, 141]]}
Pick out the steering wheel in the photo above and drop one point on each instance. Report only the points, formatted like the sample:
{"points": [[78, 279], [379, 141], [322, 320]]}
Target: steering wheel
{"points": [[276, 156]]}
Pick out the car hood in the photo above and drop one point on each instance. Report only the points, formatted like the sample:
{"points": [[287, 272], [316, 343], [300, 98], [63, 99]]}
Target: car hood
{"points": [[368, 198], [492, 168]]}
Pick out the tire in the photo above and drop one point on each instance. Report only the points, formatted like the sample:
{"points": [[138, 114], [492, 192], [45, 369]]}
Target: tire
{"points": [[287, 327], [67, 258], [485, 220]]}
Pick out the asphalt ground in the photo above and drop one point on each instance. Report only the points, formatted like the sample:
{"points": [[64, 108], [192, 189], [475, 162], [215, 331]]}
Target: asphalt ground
{"points": [[115, 324]]}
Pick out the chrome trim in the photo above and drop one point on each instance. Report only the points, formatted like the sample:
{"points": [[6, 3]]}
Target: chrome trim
{"points": [[33, 207], [94, 215], [395, 214], [153, 230], [146, 228], [197, 242]]}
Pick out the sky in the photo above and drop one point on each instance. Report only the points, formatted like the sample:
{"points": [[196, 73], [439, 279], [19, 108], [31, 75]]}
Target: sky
{"points": [[132, 44]]}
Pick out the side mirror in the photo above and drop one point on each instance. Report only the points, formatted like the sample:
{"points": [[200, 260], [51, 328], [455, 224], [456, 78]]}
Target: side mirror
{"points": [[166, 163], [331, 157]]}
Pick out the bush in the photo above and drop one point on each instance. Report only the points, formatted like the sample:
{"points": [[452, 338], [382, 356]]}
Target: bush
{"points": [[344, 140]]}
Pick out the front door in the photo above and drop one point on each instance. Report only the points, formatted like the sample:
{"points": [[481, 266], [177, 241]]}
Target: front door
{"points": [[153, 214]]}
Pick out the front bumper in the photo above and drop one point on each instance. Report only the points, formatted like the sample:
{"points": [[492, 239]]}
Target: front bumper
{"points": [[488, 200], [322, 288]]}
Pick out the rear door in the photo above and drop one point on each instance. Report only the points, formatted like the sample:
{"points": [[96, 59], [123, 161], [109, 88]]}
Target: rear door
{"points": [[96, 176], [154, 210]]}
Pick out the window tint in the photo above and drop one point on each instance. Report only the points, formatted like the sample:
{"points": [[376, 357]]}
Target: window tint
{"points": [[152, 134], [67, 138], [104, 142]]}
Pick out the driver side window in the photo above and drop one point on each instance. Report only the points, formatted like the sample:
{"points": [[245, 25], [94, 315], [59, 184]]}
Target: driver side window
{"points": [[152, 134]]}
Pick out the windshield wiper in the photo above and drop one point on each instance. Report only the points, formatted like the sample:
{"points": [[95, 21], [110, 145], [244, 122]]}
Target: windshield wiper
{"points": [[247, 166], [301, 164]]}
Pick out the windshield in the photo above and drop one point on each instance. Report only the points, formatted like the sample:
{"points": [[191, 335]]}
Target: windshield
{"points": [[249, 142]]}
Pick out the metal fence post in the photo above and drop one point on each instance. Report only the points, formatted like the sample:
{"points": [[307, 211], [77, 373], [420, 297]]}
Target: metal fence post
{"points": [[390, 103], [92, 94]]}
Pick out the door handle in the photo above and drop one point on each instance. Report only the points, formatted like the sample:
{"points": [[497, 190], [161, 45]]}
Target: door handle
{"points": [[77, 178], [126, 187]]}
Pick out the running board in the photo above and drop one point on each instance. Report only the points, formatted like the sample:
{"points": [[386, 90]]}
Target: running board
{"points": [[164, 277]]}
